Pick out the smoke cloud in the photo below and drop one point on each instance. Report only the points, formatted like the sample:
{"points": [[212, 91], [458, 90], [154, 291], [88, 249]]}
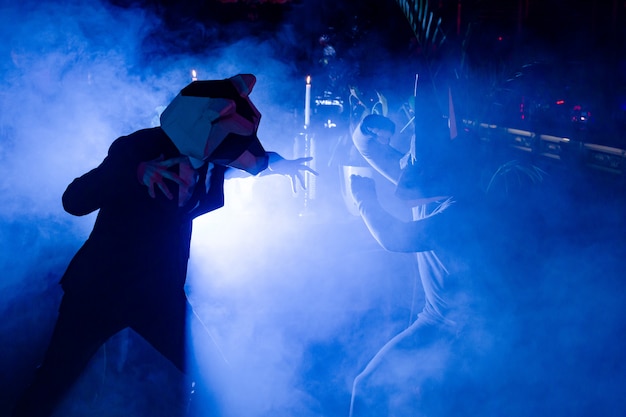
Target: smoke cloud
{"points": [[295, 299]]}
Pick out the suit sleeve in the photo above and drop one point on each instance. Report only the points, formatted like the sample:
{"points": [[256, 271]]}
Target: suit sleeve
{"points": [[214, 198], [113, 179]]}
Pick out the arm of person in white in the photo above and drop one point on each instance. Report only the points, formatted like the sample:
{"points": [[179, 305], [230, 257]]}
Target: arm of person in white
{"points": [[371, 138], [391, 233]]}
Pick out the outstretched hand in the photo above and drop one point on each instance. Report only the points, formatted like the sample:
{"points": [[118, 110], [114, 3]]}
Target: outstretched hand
{"points": [[154, 172], [293, 168]]}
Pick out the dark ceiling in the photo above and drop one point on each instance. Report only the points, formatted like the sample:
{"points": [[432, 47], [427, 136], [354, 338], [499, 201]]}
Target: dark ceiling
{"points": [[580, 26], [486, 39]]}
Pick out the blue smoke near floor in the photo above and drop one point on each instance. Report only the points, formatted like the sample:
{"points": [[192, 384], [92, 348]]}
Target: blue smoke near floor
{"points": [[296, 301]]}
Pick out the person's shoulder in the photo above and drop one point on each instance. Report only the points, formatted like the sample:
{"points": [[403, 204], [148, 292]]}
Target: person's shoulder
{"points": [[148, 139], [147, 135], [151, 133]]}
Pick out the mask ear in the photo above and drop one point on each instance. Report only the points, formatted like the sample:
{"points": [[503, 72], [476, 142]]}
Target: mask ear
{"points": [[243, 83]]}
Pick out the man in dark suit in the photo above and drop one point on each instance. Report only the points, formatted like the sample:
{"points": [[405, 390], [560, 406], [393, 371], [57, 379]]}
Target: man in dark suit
{"points": [[131, 271]]}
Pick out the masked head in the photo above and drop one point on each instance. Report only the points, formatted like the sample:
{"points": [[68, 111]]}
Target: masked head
{"points": [[421, 181], [435, 172], [442, 167], [215, 121]]}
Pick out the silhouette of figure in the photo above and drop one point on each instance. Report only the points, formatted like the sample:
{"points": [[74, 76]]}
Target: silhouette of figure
{"points": [[425, 236], [474, 235], [131, 271]]}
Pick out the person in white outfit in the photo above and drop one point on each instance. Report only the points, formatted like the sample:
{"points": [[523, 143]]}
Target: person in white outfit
{"points": [[427, 235]]}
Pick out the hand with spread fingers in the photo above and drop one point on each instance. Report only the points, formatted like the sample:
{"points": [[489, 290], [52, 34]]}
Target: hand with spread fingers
{"points": [[293, 168], [154, 172]]}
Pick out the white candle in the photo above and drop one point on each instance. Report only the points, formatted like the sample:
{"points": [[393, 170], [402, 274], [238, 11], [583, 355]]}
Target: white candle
{"points": [[307, 102], [194, 75]]}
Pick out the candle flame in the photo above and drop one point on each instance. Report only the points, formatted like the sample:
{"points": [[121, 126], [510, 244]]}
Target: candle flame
{"points": [[193, 75], [308, 79]]}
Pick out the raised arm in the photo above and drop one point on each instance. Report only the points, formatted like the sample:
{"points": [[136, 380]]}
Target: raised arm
{"points": [[114, 178], [292, 168], [371, 138]]}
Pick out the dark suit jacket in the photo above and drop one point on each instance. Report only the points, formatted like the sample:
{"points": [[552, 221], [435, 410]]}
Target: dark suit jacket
{"points": [[139, 246]]}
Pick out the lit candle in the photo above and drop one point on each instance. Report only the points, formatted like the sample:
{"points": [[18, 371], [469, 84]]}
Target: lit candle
{"points": [[194, 75], [307, 102]]}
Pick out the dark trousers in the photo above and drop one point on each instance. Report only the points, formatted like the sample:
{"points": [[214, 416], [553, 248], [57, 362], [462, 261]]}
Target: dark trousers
{"points": [[82, 328]]}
